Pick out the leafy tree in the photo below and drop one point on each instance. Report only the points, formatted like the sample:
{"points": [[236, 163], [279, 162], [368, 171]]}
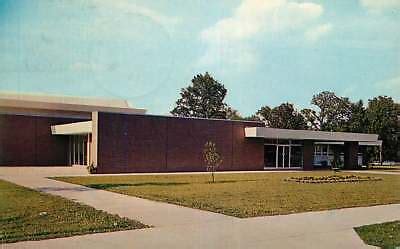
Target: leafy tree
{"points": [[252, 118], [265, 115], [212, 158], [284, 116], [383, 119], [204, 98], [358, 121], [334, 112], [232, 114], [311, 118]]}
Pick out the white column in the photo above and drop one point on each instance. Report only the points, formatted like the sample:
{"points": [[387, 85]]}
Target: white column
{"points": [[83, 150], [73, 150], [79, 149], [277, 157], [95, 117], [69, 151], [88, 150]]}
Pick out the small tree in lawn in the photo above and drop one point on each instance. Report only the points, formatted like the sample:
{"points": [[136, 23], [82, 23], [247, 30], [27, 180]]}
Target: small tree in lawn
{"points": [[212, 158]]}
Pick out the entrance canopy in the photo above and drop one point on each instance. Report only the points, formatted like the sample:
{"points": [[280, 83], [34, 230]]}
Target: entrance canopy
{"points": [[80, 141], [77, 128], [272, 133]]}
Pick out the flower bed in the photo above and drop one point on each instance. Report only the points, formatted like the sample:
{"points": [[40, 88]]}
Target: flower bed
{"points": [[332, 179]]}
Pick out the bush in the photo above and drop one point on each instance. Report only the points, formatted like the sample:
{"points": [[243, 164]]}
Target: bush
{"points": [[91, 168], [332, 179]]}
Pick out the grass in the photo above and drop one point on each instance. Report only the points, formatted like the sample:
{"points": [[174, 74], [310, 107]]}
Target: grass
{"points": [[385, 235], [249, 195], [27, 214]]}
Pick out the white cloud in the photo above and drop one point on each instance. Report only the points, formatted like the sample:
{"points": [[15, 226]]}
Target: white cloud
{"points": [[228, 40], [129, 7], [315, 33], [253, 16], [377, 6]]}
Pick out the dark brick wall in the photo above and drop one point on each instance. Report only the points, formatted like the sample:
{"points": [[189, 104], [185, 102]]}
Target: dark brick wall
{"points": [[351, 155], [142, 143], [308, 155], [27, 141]]}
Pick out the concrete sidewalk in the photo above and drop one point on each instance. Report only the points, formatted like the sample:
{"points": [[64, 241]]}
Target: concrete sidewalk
{"points": [[375, 172], [153, 213], [181, 227]]}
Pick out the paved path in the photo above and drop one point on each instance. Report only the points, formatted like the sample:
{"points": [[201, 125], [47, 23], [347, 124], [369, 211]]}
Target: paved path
{"points": [[158, 214], [376, 172], [180, 227]]}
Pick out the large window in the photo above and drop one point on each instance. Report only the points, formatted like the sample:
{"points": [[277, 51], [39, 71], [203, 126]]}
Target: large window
{"points": [[283, 154], [324, 154]]}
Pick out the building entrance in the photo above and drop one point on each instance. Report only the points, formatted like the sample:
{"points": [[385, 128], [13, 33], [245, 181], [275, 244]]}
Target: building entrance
{"points": [[79, 149], [283, 155]]}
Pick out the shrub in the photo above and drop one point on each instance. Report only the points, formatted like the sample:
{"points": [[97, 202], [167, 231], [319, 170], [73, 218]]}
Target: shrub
{"points": [[332, 179], [91, 168]]}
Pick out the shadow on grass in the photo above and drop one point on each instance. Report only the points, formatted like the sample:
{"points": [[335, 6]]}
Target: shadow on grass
{"points": [[45, 189], [165, 184], [140, 184], [234, 181]]}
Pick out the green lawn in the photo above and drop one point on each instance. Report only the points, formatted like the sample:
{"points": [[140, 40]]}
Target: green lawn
{"points": [[249, 195], [26, 214], [385, 235]]}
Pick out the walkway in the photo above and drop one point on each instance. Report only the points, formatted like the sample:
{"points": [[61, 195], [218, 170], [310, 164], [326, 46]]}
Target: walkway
{"points": [[181, 227], [383, 172]]}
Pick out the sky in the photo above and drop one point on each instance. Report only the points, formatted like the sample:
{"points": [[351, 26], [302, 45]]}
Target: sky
{"points": [[265, 52]]}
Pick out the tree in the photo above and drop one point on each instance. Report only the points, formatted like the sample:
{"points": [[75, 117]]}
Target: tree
{"points": [[252, 118], [212, 158], [203, 99], [232, 114], [265, 115], [334, 112], [311, 118], [383, 119], [358, 121], [284, 116]]}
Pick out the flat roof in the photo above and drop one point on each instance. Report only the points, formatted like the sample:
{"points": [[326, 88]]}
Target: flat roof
{"points": [[36, 104], [273, 133]]}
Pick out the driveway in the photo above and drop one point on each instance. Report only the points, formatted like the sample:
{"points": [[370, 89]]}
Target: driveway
{"points": [[181, 227]]}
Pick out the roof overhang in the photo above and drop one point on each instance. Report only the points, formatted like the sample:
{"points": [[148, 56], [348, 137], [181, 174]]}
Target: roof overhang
{"points": [[272, 133], [75, 106], [77, 128], [370, 143]]}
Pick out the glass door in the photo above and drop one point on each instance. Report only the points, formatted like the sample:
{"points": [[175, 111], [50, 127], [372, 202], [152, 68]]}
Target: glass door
{"points": [[283, 156]]}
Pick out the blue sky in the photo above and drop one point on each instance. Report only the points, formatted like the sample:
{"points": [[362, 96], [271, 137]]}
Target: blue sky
{"points": [[265, 51]]}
